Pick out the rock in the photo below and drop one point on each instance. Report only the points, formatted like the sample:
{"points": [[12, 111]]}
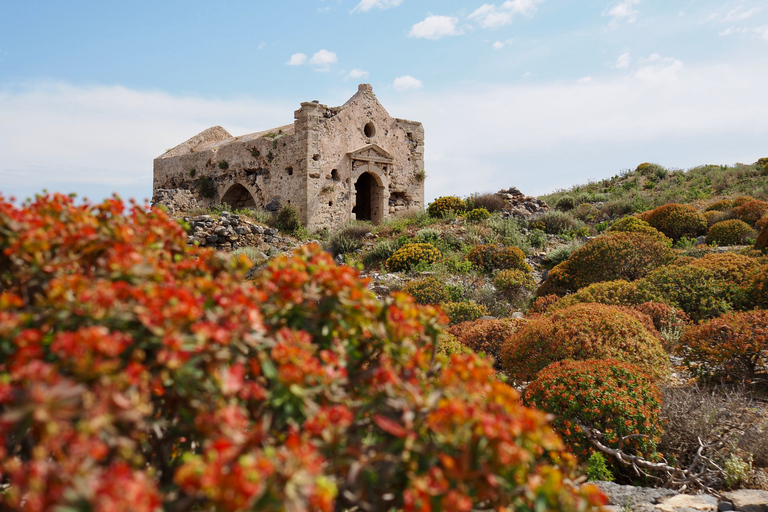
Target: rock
{"points": [[747, 500], [688, 503], [641, 499], [176, 199]]}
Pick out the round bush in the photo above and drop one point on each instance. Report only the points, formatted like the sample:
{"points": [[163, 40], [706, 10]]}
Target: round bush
{"points": [[736, 269], [428, 290], [486, 335], [492, 257], [761, 222], [543, 304], [733, 346], [649, 169], [616, 398], [664, 316], [458, 312], [761, 242], [565, 203], [443, 205], [582, 331], [618, 255], [730, 232], [751, 211], [555, 222], [741, 200], [139, 373], [714, 216], [631, 224], [696, 290], [611, 293], [514, 284], [448, 345], [720, 206], [677, 220], [410, 255], [478, 214]]}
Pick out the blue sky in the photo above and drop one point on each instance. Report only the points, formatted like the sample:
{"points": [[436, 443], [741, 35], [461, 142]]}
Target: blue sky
{"points": [[538, 94]]}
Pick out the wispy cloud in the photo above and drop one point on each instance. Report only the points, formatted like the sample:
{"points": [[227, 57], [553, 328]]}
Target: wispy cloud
{"points": [[297, 59], [740, 13], [623, 61], [367, 5], [498, 45], [407, 83], [356, 74], [490, 15], [434, 27], [657, 69], [622, 12]]}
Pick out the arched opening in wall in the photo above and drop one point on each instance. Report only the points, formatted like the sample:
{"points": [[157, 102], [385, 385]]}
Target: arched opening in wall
{"points": [[239, 197], [368, 198]]}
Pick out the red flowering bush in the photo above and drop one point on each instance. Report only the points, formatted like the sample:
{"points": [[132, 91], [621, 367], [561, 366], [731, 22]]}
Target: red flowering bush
{"points": [[751, 211], [616, 398], [732, 346], [677, 220], [729, 232], [411, 255], [137, 373], [583, 331], [486, 335], [492, 257], [428, 290], [616, 256]]}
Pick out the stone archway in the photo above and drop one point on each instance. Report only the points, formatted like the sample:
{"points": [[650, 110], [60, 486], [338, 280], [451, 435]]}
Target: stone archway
{"points": [[369, 199], [238, 197]]}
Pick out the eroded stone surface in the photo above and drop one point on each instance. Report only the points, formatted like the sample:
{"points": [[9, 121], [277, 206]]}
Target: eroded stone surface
{"points": [[748, 500], [333, 164], [688, 503]]}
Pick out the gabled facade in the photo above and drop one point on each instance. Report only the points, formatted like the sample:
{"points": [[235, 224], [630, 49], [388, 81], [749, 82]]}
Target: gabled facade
{"points": [[333, 164]]}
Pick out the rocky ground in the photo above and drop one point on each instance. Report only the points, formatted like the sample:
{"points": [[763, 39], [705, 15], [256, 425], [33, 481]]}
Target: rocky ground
{"points": [[626, 498]]}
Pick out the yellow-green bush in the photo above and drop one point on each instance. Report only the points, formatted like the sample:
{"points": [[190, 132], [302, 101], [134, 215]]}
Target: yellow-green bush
{"points": [[410, 255], [491, 257], [443, 205], [730, 232], [720, 206], [429, 290], [478, 214], [631, 224], [513, 283], [729, 267], [458, 312], [612, 293], [715, 216], [677, 220]]}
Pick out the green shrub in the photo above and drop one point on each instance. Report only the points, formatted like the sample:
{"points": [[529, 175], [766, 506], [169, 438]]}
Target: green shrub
{"points": [[582, 331], [732, 268], [478, 214], [492, 257], [514, 284], [720, 206], [751, 211], [428, 290], [443, 205], [597, 470], [635, 225], [562, 253], [448, 345], [608, 395], [613, 256], [536, 238], [677, 220], [694, 289], [486, 335], [565, 203], [288, 219], [651, 170], [730, 232], [381, 251], [428, 236], [555, 222], [458, 312], [732, 346], [611, 293], [411, 255], [205, 187], [714, 216]]}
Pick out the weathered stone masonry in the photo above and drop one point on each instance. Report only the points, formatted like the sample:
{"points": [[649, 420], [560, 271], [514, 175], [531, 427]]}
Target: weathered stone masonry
{"points": [[333, 164]]}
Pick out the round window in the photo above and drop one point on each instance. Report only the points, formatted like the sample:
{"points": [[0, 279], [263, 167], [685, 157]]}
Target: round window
{"points": [[369, 129]]}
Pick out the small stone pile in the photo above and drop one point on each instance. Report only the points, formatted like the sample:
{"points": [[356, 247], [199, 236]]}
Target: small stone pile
{"points": [[642, 499], [175, 199], [230, 231], [519, 204]]}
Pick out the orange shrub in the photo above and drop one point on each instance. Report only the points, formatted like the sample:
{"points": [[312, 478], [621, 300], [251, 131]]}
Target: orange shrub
{"points": [[741, 200], [677, 220], [761, 222], [719, 206], [616, 398], [627, 256], [732, 346], [664, 316], [730, 232], [543, 303], [730, 267], [486, 335], [137, 373], [583, 331], [714, 216], [751, 211], [761, 242]]}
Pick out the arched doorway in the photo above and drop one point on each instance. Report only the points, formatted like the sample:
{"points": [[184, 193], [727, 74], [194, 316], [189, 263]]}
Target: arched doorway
{"points": [[239, 197], [368, 198]]}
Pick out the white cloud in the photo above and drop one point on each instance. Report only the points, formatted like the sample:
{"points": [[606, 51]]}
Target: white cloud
{"points": [[356, 74], [322, 60], [490, 15], [622, 11], [407, 83], [434, 27], [585, 80], [261, 45], [657, 69], [297, 59], [367, 5], [623, 61], [762, 32], [498, 45]]}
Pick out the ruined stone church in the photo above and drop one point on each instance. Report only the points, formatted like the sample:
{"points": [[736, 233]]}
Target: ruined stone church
{"points": [[334, 164]]}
